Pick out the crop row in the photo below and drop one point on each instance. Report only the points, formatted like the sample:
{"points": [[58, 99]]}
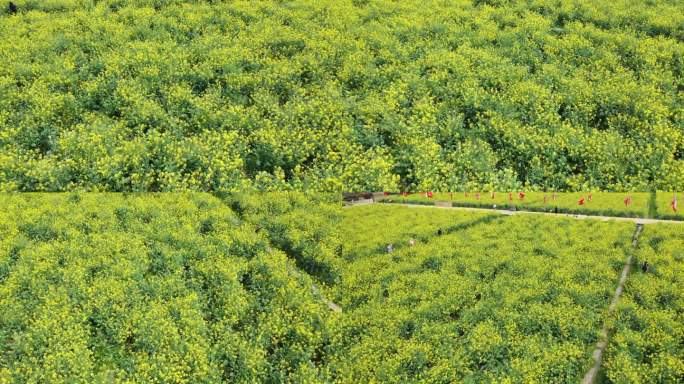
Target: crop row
{"points": [[376, 227]]}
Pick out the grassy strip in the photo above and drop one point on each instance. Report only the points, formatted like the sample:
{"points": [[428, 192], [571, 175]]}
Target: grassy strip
{"points": [[642, 205]]}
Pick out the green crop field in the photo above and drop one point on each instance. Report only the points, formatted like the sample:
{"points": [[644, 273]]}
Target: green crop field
{"points": [[167, 288], [341, 95], [185, 191], [500, 299], [648, 341], [288, 287]]}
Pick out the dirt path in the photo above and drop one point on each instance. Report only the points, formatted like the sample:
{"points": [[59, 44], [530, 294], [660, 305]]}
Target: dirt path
{"points": [[590, 376], [574, 216], [333, 306], [314, 288]]}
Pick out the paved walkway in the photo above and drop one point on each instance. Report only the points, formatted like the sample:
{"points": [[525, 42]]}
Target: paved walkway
{"points": [[574, 216]]}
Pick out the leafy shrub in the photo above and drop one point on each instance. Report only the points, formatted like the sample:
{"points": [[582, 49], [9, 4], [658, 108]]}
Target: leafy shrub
{"points": [[149, 288], [156, 95], [516, 299], [647, 342]]}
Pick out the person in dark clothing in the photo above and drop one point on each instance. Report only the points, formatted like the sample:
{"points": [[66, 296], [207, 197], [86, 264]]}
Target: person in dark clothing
{"points": [[645, 267], [12, 8]]}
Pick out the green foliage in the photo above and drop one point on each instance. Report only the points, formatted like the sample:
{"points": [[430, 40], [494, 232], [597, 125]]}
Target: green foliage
{"points": [[302, 225], [647, 344], [160, 95], [511, 299], [171, 288]]}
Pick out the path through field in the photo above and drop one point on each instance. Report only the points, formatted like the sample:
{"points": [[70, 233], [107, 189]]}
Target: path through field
{"points": [[636, 220], [590, 376]]}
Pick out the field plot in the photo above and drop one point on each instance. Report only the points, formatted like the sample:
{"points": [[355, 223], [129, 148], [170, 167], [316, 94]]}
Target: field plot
{"points": [[596, 203], [343, 95], [648, 341], [375, 227], [302, 225], [290, 288], [166, 288], [516, 299]]}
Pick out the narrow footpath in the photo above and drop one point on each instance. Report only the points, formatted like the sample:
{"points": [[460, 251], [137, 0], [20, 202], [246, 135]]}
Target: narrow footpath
{"points": [[591, 375], [636, 220]]}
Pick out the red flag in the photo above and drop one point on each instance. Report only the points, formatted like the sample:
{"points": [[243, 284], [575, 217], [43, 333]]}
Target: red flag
{"points": [[521, 195], [386, 193], [674, 203], [581, 201], [510, 196], [628, 201], [429, 194]]}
